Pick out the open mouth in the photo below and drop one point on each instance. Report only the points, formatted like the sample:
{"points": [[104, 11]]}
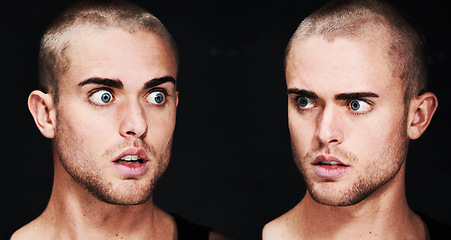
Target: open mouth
{"points": [[132, 163], [330, 163], [329, 167], [133, 159]]}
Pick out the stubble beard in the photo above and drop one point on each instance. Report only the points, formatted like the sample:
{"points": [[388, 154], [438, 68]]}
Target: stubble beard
{"points": [[83, 170], [375, 176]]}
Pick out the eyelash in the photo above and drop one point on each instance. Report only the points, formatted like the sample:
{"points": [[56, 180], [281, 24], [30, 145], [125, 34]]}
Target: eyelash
{"points": [[298, 105], [348, 102], [95, 90], [355, 113], [162, 90]]}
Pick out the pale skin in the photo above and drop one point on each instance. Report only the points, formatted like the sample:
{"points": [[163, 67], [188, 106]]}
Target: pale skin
{"points": [[93, 132], [372, 133]]}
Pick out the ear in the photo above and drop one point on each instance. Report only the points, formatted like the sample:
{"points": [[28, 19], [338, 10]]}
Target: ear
{"points": [[176, 98], [44, 113], [421, 110]]}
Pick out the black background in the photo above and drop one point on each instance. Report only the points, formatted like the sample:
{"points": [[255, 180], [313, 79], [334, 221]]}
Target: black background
{"points": [[231, 166]]}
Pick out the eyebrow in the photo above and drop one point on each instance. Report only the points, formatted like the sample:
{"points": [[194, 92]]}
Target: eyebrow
{"points": [[158, 81], [355, 95], [341, 96], [116, 83], [302, 92]]}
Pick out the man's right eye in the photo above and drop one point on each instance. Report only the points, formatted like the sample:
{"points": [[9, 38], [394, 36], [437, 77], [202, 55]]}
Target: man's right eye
{"points": [[101, 97], [305, 103]]}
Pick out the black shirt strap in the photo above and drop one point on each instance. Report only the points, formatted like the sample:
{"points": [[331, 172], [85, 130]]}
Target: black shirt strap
{"points": [[187, 230]]}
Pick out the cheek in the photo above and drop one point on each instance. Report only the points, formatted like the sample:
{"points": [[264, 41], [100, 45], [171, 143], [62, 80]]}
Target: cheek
{"points": [[387, 125], [161, 125], [379, 137], [84, 128], [73, 144], [302, 131]]}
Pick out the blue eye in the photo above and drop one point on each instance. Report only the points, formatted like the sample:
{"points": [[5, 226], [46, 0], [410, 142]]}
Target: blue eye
{"points": [[354, 105], [359, 106], [305, 102], [101, 97], [156, 97]]}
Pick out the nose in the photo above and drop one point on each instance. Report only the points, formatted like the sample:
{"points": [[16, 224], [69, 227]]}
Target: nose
{"points": [[329, 129], [133, 120]]}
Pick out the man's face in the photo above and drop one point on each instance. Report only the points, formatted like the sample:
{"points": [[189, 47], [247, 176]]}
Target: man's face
{"points": [[116, 113], [346, 116]]}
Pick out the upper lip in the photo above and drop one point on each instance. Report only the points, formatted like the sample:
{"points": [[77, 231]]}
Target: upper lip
{"points": [[140, 152], [327, 158]]}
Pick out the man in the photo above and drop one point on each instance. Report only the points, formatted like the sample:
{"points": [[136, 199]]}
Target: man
{"points": [[356, 83], [108, 75]]}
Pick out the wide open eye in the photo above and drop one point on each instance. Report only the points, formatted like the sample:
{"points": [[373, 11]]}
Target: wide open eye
{"points": [[359, 106], [156, 97], [101, 97], [306, 103]]}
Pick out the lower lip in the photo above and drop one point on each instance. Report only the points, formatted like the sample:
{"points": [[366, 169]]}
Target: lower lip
{"points": [[330, 172], [131, 170]]}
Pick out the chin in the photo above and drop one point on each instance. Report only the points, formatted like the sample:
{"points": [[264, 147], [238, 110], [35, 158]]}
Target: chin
{"points": [[134, 197], [342, 194], [336, 200], [123, 192], [127, 201]]}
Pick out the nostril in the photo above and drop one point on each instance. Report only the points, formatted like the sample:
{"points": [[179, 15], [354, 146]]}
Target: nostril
{"points": [[130, 133]]}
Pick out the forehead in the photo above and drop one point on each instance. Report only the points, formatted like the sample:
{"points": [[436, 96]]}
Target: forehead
{"points": [[118, 54], [338, 66]]}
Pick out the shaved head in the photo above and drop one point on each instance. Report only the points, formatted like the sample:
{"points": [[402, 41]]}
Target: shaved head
{"points": [[91, 16], [371, 20]]}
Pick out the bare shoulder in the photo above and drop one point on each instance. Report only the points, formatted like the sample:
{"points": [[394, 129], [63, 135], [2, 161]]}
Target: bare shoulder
{"points": [[19, 235], [279, 228], [167, 226], [165, 218], [26, 232]]}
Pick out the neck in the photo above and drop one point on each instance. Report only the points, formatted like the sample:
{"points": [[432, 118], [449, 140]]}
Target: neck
{"points": [[383, 215], [74, 213]]}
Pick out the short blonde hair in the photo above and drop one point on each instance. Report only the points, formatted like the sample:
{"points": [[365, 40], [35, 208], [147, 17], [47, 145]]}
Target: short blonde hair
{"points": [[53, 59]]}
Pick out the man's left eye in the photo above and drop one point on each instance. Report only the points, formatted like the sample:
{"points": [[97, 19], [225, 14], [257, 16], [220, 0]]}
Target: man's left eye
{"points": [[359, 106], [156, 97]]}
